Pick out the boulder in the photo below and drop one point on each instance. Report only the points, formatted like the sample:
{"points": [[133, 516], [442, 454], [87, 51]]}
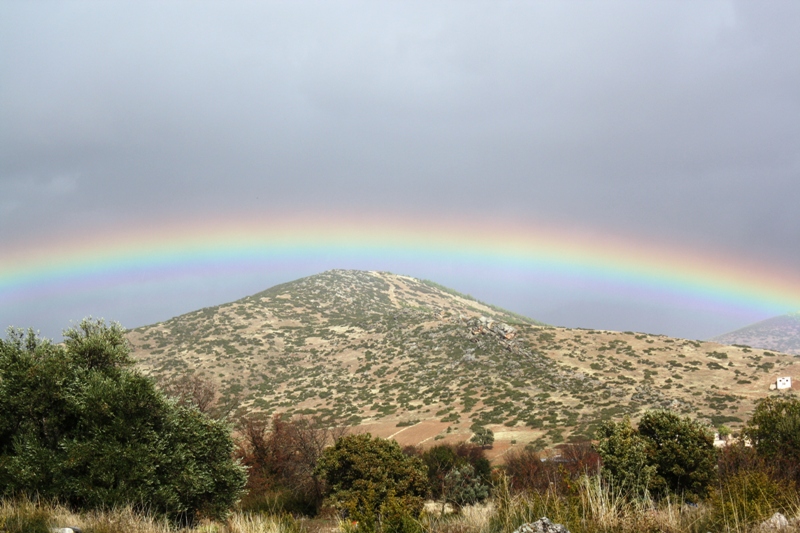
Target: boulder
{"points": [[776, 522], [543, 525]]}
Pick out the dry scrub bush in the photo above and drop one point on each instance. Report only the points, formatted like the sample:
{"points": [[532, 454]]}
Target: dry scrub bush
{"points": [[282, 457], [528, 470]]}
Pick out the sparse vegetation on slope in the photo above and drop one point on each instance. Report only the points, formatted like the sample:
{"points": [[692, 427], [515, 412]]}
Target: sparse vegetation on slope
{"points": [[403, 357], [780, 333]]}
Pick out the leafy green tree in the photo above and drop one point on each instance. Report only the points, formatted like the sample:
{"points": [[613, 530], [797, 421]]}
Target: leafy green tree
{"points": [[81, 426], [682, 450], [624, 455], [774, 430], [667, 454], [439, 460], [373, 481]]}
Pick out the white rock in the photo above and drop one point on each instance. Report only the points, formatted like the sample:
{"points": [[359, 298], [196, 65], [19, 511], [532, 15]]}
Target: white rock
{"points": [[543, 525], [775, 522]]}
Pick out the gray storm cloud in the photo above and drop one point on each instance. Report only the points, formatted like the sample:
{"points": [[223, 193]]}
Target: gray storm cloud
{"points": [[673, 121]]}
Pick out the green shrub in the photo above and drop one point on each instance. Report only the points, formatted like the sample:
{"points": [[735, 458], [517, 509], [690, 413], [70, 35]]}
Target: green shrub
{"points": [[80, 426], [624, 455], [483, 436], [439, 460], [668, 454], [463, 487], [459, 475], [373, 482], [774, 428], [682, 450]]}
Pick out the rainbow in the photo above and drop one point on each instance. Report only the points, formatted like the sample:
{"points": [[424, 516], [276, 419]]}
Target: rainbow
{"points": [[520, 250]]}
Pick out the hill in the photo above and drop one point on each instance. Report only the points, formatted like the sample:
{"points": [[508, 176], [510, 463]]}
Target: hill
{"points": [[407, 358], [780, 333]]}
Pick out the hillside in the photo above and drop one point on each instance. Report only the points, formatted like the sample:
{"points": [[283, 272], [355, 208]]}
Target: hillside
{"points": [[780, 333], [403, 357]]}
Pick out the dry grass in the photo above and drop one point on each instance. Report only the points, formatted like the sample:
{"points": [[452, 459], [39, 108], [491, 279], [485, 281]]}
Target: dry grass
{"points": [[24, 516], [591, 507], [594, 507]]}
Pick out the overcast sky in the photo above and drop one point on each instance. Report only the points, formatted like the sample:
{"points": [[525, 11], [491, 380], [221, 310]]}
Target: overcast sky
{"points": [[675, 122]]}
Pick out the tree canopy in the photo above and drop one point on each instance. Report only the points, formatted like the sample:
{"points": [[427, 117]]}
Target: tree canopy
{"points": [[666, 454], [82, 426]]}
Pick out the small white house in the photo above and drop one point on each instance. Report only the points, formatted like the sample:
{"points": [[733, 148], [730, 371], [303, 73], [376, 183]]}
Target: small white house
{"points": [[784, 383]]}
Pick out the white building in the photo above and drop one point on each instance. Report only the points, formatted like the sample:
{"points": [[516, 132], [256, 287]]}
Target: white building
{"points": [[784, 383]]}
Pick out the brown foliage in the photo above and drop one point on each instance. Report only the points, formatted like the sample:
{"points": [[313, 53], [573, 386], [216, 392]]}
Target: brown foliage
{"points": [[580, 458], [192, 389], [410, 450], [282, 456], [736, 458], [526, 471], [531, 471]]}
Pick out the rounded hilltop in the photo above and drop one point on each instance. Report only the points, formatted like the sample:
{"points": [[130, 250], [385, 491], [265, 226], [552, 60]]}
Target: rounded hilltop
{"points": [[410, 359]]}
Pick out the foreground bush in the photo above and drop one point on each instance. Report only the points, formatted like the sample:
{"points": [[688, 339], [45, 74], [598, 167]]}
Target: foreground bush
{"points": [[80, 426], [374, 483], [529, 471], [457, 474], [774, 430], [281, 457], [682, 450], [624, 455], [667, 455], [735, 506]]}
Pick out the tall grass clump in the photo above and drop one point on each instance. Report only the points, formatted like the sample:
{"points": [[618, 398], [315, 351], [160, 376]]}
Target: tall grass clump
{"points": [[27, 516], [751, 489], [596, 506], [259, 523], [514, 509], [24, 516]]}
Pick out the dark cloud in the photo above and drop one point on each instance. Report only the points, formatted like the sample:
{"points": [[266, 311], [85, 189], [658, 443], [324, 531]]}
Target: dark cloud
{"points": [[673, 121]]}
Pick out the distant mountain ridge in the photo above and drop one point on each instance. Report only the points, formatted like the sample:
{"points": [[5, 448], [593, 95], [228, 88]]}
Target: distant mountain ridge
{"points": [[409, 359], [780, 333]]}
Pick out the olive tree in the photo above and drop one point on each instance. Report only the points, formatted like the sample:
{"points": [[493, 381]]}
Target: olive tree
{"points": [[482, 436], [80, 425], [457, 474]]}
